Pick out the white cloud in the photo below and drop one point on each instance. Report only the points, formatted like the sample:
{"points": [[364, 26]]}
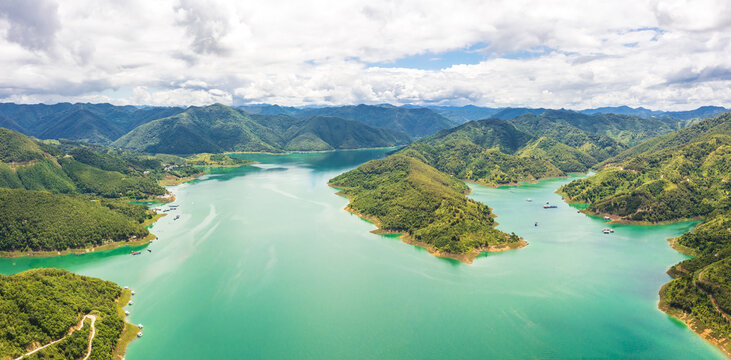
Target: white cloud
{"points": [[660, 54]]}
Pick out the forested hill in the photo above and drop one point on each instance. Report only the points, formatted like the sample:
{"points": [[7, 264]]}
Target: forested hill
{"points": [[495, 152], [625, 129], [31, 165], [40, 306], [42, 221], [415, 122], [684, 174], [219, 128], [600, 147], [402, 194], [95, 123]]}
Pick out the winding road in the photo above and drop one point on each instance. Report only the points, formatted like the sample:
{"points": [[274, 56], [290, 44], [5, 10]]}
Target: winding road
{"points": [[79, 327]]}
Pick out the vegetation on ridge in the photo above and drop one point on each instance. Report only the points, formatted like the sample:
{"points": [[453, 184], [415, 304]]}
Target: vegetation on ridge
{"points": [[402, 194], [685, 175], [219, 128], [40, 306]]}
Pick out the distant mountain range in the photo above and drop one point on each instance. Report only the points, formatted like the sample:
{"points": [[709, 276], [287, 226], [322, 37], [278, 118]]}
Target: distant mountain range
{"points": [[94, 123], [219, 128], [276, 128], [468, 113], [415, 122]]}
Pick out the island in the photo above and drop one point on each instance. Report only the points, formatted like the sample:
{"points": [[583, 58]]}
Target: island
{"points": [[400, 194]]}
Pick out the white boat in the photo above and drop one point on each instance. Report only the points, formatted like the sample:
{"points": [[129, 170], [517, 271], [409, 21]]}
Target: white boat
{"points": [[139, 334], [140, 326], [133, 292], [131, 302], [126, 312]]}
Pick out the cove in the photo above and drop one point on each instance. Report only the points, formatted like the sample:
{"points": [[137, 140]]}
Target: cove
{"points": [[265, 263]]}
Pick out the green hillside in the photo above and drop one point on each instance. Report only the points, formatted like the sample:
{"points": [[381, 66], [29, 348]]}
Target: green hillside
{"points": [[329, 133], [495, 152], [40, 306], [43, 221], [402, 194], [599, 147], [682, 175], [218, 128], [72, 168], [625, 129], [415, 122], [95, 123], [564, 157], [700, 292], [17, 148], [470, 162]]}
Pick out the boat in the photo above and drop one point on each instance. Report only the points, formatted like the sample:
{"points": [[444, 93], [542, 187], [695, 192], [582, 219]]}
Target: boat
{"points": [[133, 292], [126, 312], [176, 217], [536, 224], [529, 200], [140, 326], [139, 334], [607, 231], [131, 302], [136, 252], [173, 205], [549, 206], [149, 250], [607, 218]]}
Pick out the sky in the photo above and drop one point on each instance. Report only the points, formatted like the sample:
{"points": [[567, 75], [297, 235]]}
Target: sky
{"points": [[665, 55]]}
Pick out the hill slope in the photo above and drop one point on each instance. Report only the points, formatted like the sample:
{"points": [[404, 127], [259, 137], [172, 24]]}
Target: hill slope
{"points": [[495, 152], [402, 194], [96, 123], [598, 146], [41, 305], [682, 175], [417, 122], [218, 128]]}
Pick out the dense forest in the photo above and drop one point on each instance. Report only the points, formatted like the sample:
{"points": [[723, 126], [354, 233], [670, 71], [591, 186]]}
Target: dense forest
{"points": [[219, 128], [63, 195], [495, 152], [39, 306], [701, 288], [42, 221], [682, 175], [402, 194]]}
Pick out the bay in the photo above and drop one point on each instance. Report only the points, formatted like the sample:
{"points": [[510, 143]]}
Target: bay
{"points": [[264, 263]]}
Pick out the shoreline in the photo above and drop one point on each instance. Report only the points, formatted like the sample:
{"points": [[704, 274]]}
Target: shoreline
{"points": [[466, 258], [83, 251], [520, 183], [614, 219], [677, 314], [112, 245], [691, 323], [129, 333]]}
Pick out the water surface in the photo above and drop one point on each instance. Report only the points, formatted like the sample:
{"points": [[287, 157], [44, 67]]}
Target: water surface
{"points": [[264, 263]]}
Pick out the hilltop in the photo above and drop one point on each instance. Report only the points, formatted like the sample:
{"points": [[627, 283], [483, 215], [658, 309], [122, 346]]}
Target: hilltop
{"points": [[401, 194], [219, 128]]}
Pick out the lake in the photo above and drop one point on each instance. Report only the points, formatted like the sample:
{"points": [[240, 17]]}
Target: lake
{"points": [[265, 263]]}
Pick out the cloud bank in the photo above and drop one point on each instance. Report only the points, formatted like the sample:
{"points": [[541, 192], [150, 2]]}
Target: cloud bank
{"points": [[575, 54]]}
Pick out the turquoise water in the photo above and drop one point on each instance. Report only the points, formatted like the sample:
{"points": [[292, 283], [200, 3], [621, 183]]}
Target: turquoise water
{"points": [[264, 263]]}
